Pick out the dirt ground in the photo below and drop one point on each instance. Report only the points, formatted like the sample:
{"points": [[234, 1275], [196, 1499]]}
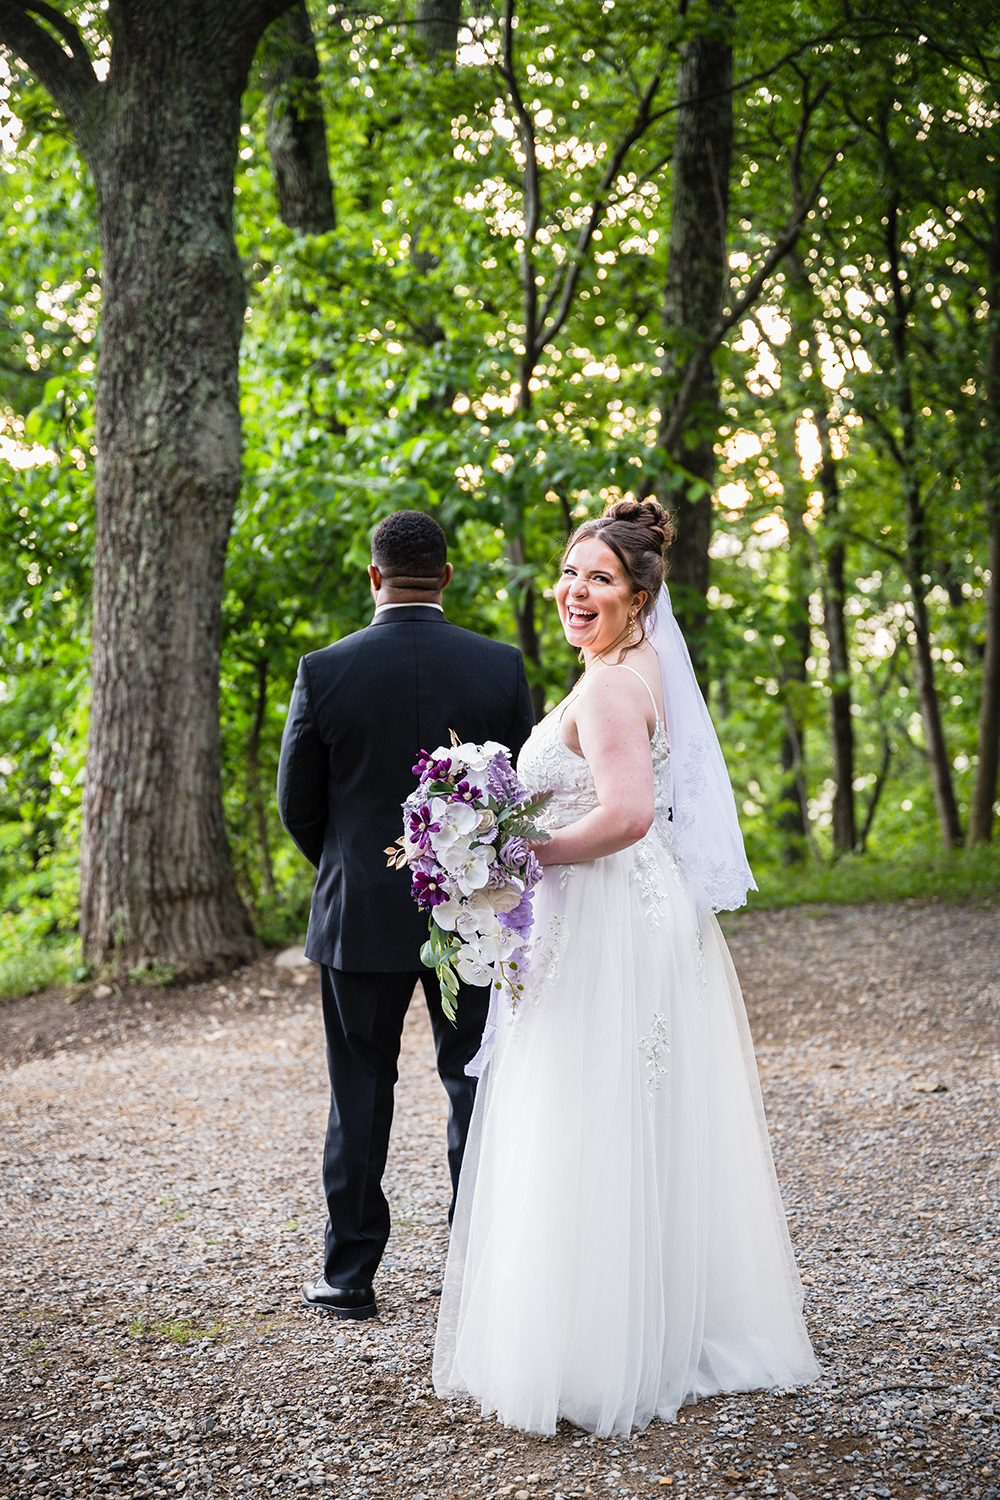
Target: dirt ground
{"points": [[160, 1204]]}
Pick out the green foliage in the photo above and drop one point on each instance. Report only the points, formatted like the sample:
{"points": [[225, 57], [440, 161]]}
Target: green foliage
{"points": [[971, 875], [28, 962]]}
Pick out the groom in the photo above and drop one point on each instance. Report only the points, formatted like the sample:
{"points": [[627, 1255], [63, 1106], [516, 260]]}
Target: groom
{"points": [[361, 709]]}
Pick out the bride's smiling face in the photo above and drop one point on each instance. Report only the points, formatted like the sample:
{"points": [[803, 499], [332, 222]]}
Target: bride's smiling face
{"points": [[594, 597]]}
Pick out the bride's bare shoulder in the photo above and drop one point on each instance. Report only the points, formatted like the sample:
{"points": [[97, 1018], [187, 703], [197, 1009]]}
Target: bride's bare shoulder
{"points": [[634, 680]]}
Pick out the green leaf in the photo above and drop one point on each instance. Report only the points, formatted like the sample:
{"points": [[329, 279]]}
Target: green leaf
{"points": [[448, 978]]}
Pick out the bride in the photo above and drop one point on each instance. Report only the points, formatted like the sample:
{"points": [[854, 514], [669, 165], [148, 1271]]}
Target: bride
{"points": [[619, 1245]]}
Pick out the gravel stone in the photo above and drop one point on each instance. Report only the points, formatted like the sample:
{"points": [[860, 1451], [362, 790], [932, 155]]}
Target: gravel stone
{"points": [[161, 1203]]}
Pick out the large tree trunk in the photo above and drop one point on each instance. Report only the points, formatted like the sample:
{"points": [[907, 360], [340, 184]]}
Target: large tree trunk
{"points": [[697, 276], [160, 135], [296, 131], [157, 883]]}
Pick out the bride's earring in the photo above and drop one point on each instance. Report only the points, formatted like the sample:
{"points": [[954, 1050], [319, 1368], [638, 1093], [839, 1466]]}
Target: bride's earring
{"points": [[631, 629]]}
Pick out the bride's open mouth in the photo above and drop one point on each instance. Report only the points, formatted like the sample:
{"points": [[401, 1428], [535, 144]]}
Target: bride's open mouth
{"points": [[579, 617]]}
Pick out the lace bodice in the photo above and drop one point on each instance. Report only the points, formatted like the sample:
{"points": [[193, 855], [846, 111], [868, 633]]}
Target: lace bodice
{"points": [[546, 764]]}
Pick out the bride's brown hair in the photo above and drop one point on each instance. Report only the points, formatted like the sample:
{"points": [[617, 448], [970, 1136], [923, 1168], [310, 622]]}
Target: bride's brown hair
{"points": [[638, 533]]}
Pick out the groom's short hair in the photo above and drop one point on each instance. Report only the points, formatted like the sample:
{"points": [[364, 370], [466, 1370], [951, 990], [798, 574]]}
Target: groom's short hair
{"points": [[409, 545]]}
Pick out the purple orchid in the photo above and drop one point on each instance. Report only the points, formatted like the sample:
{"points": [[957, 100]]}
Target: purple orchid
{"points": [[429, 769], [420, 826], [428, 888]]}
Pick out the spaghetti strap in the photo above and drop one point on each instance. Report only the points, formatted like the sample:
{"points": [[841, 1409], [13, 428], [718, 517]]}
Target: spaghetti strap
{"points": [[646, 685]]}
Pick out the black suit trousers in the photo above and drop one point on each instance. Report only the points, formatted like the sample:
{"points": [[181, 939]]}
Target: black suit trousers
{"points": [[363, 1015]]}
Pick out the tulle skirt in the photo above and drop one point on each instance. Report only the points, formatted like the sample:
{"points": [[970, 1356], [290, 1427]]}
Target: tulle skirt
{"points": [[619, 1245]]}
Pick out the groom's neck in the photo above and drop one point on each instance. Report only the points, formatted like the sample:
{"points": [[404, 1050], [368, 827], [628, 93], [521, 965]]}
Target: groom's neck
{"points": [[406, 596], [407, 590]]}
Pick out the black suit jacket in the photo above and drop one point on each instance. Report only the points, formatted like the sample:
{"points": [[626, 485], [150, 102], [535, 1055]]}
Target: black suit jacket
{"points": [[360, 711]]}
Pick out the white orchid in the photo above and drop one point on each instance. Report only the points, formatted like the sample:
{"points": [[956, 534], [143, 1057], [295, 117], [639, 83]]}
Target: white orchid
{"points": [[456, 821], [469, 867], [472, 966], [446, 914], [478, 916], [478, 757], [494, 947], [508, 943]]}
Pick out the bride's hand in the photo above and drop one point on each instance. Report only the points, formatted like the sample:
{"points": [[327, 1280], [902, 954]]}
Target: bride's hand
{"points": [[541, 849]]}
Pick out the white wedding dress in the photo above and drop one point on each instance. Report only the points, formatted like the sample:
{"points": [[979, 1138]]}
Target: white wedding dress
{"points": [[619, 1245]]}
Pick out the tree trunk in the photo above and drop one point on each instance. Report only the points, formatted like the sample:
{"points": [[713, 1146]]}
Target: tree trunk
{"points": [[258, 805], [984, 790], [981, 807], [437, 27], [157, 880], [877, 789], [523, 594], [917, 558], [917, 569], [296, 132], [930, 712], [832, 560], [697, 276], [844, 824], [793, 820]]}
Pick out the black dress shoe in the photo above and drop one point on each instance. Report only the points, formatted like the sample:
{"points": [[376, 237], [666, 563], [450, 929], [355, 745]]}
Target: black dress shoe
{"points": [[343, 1302]]}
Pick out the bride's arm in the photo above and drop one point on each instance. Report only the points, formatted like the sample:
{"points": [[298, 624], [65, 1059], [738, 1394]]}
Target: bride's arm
{"points": [[612, 724]]}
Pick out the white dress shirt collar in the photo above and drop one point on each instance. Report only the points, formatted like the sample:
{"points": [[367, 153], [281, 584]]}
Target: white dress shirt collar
{"points": [[413, 604]]}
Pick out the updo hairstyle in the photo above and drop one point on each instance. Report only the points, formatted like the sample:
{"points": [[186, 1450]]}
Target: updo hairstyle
{"points": [[638, 533]]}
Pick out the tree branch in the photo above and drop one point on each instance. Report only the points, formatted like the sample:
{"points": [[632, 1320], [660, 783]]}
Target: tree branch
{"points": [[529, 186], [671, 430], [574, 267], [68, 76], [836, 34], [257, 15], [868, 541]]}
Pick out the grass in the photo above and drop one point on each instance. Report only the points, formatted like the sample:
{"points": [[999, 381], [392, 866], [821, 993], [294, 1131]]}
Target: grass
{"points": [[27, 967], [177, 1330], [919, 875], [157, 976]]}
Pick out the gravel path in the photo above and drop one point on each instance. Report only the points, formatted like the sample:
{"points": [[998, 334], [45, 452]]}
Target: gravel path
{"points": [[159, 1155]]}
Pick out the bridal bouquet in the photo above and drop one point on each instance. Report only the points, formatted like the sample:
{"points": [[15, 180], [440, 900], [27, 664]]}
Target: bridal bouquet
{"points": [[465, 838]]}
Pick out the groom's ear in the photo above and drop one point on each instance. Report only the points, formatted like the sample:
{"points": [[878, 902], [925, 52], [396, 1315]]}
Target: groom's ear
{"points": [[447, 575], [375, 576]]}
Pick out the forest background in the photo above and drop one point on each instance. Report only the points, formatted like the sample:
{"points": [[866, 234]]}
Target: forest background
{"points": [[502, 263]]}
